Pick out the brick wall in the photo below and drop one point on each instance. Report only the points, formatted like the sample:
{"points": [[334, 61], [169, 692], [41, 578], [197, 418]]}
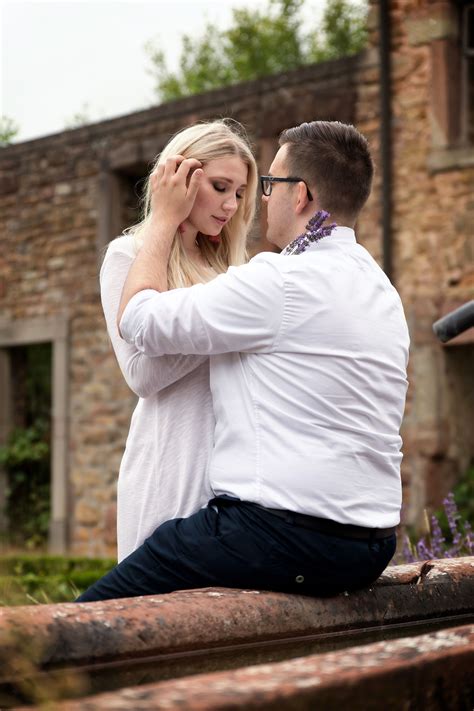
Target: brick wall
{"points": [[62, 198]]}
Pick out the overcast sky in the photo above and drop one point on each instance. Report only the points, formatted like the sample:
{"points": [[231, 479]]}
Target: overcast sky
{"points": [[69, 56]]}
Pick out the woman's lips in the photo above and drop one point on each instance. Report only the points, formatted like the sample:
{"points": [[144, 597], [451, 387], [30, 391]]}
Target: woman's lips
{"points": [[220, 220]]}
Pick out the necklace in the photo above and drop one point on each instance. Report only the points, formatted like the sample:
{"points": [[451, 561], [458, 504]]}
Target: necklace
{"points": [[314, 232]]}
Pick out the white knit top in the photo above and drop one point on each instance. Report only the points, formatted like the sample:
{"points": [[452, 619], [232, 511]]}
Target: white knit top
{"points": [[163, 473]]}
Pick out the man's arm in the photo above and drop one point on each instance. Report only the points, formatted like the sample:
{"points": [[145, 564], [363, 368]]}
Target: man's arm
{"points": [[242, 310], [173, 195]]}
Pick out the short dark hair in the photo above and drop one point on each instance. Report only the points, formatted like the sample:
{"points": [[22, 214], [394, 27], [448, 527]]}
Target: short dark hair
{"points": [[334, 159]]}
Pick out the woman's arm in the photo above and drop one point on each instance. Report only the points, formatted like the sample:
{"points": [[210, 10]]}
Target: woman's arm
{"points": [[174, 191], [144, 375]]}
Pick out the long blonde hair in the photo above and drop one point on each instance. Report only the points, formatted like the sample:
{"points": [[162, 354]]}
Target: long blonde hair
{"points": [[207, 141]]}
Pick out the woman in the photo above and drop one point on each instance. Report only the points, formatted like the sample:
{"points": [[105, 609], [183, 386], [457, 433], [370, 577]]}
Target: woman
{"points": [[163, 470]]}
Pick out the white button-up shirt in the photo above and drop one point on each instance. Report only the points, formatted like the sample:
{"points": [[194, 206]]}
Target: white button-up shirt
{"points": [[308, 377]]}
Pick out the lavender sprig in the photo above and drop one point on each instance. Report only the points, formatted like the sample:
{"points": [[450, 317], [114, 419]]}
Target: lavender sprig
{"points": [[407, 551], [437, 538], [422, 550], [469, 540], [452, 515], [314, 232], [461, 543]]}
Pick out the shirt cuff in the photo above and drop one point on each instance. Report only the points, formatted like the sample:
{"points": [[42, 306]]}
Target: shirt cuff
{"points": [[131, 323]]}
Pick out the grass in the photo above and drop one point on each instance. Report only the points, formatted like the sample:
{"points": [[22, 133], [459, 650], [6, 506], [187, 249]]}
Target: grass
{"points": [[28, 579]]}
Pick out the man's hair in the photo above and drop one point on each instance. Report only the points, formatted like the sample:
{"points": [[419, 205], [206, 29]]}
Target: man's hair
{"points": [[334, 159]]}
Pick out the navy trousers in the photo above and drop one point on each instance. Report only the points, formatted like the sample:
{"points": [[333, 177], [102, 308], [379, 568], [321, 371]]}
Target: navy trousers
{"points": [[239, 545]]}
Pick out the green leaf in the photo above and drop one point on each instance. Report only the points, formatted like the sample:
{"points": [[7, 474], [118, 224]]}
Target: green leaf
{"points": [[259, 42]]}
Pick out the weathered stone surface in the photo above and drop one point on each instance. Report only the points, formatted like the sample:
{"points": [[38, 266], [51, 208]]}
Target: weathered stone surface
{"points": [[431, 671], [191, 621]]}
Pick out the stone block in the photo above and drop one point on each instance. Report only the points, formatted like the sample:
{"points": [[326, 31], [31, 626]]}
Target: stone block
{"points": [[85, 513]]}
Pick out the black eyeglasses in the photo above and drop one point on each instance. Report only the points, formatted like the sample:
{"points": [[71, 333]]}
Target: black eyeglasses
{"points": [[267, 180]]}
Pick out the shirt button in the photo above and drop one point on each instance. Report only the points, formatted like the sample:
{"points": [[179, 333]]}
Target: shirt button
{"points": [[299, 578]]}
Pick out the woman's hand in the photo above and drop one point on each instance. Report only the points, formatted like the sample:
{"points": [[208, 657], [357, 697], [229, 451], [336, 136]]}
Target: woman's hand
{"points": [[174, 185]]}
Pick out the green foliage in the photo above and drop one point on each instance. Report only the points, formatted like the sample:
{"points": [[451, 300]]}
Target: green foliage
{"points": [[79, 119], [448, 532], [464, 498], [24, 445], [25, 456], [264, 42], [258, 43], [8, 130], [26, 460], [26, 579], [344, 32]]}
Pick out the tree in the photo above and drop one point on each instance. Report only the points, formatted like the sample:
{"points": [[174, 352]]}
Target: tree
{"points": [[344, 32], [8, 130], [258, 43], [79, 119]]}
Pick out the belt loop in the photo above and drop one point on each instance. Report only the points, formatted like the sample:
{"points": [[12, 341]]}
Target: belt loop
{"points": [[373, 533]]}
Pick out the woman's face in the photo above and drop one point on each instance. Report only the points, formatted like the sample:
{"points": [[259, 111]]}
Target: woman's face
{"points": [[220, 192]]}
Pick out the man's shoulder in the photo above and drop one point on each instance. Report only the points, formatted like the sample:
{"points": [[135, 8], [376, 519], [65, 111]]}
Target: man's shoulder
{"points": [[266, 257], [261, 263]]}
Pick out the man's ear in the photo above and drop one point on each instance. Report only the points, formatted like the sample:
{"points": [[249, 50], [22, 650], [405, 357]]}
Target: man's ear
{"points": [[301, 197]]}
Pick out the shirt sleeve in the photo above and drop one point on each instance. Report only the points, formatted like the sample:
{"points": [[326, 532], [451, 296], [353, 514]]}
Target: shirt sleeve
{"points": [[145, 376], [240, 311]]}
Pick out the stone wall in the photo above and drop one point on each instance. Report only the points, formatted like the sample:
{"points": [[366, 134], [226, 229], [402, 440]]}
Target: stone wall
{"points": [[433, 220], [63, 197]]}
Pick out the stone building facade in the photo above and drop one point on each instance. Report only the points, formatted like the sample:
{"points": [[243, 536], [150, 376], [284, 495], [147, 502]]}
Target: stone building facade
{"points": [[63, 197]]}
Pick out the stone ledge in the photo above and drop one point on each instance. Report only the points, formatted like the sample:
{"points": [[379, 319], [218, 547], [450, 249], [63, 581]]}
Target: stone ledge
{"points": [[196, 621], [445, 159], [340, 72], [429, 671]]}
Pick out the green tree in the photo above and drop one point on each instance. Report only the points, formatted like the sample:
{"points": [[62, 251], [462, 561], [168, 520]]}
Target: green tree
{"points": [[344, 31], [258, 43], [8, 130], [79, 119]]}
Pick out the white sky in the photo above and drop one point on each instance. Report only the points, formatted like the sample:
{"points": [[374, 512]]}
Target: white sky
{"points": [[69, 56]]}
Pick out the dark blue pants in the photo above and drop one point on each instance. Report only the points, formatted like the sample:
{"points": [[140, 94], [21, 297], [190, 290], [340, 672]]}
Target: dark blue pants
{"points": [[240, 545]]}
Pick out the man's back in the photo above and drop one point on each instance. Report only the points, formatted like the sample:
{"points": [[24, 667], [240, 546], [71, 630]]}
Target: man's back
{"points": [[310, 422]]}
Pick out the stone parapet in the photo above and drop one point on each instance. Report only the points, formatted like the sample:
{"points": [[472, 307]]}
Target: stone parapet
{"points": [[431, 671], [163, 636]]}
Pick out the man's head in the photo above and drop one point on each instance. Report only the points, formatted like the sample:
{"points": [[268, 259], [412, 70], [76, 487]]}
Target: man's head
{"points": [[335, 168]]}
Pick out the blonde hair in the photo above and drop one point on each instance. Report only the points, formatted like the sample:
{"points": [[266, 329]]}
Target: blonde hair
{"points": [[206, 142]]}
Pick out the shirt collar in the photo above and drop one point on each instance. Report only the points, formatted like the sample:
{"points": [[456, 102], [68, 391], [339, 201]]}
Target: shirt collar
{"points": [[340, 234]]}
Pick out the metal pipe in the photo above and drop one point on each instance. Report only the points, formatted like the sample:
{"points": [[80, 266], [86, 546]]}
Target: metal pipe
{"points": [[385, 135], [455, 322]]}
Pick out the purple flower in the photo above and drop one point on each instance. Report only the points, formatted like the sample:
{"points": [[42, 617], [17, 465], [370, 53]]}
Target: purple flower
{"points": [[407, 550], [437, 538], [314, 232], [469, 540], [422, 550], [452, 514], [462, 542]]}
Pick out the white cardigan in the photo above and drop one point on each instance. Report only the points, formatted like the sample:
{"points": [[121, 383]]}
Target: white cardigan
{"points": [[163, 474]]}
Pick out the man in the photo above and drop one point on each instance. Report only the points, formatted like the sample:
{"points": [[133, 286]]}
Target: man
{"points": [[308, 375]]}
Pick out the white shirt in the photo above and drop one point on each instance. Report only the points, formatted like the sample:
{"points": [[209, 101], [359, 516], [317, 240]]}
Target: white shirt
{"points": [[163, 473], [308, 377]]}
